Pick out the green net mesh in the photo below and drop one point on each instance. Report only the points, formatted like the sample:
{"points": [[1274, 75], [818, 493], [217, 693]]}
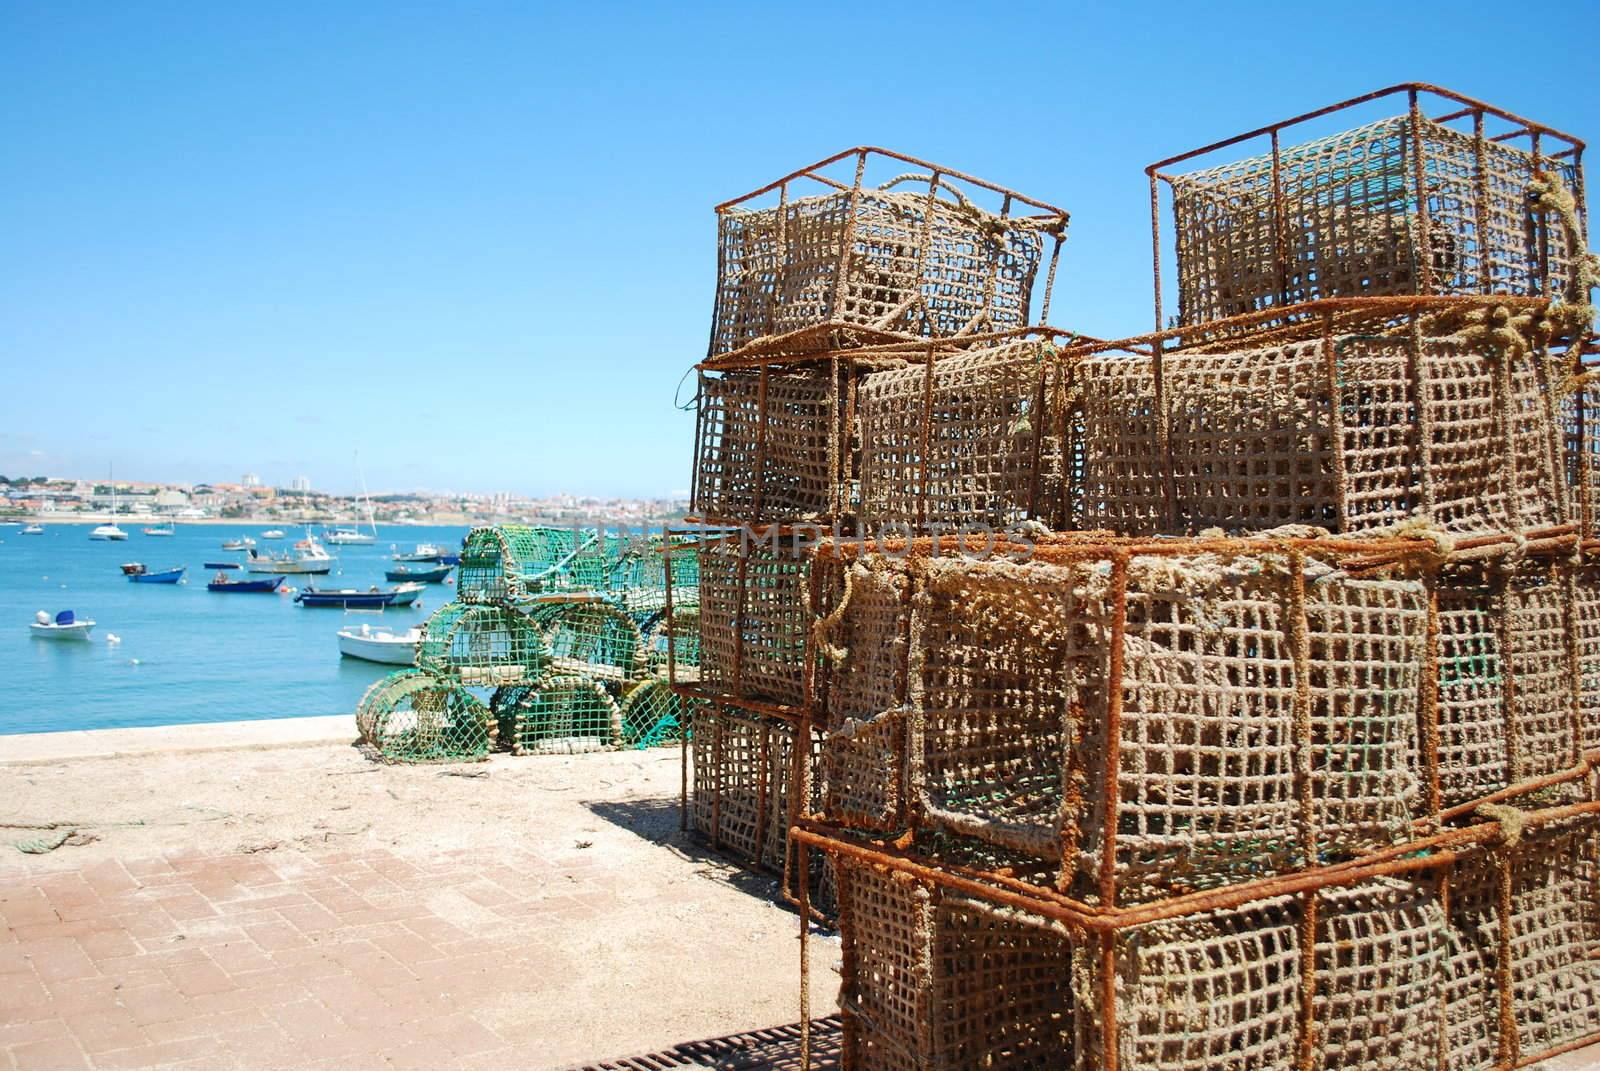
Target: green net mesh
{"points": [[562, 714], [509, 562], [483, 646], [594, 639], [683, 631], [638, 581], [415, 716], [652, 714]]}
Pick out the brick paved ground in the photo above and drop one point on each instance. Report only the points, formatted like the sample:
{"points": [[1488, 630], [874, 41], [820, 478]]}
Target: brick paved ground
{"points": [[611, 936]]}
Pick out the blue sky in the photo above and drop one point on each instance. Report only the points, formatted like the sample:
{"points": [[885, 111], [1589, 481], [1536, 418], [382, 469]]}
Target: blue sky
{"points": [[474, 241]]}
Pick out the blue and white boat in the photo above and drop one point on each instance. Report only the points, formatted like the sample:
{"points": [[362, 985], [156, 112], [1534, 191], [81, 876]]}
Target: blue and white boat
{"points": [[140, 574], [406, 574], [222, 582], [66, 626]]}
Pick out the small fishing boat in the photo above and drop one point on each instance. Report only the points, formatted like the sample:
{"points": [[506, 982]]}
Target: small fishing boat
{"points": [[221, 565], [406, 594], [272, 533], [167, 529], [242, 543], [381, 644], [223, 582], [33, 529], [424, 552], [66, 626], [309, 557], [403, 574], [345, 598], [139, 574]]}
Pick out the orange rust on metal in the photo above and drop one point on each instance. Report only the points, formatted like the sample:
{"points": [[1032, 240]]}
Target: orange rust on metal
{"points": [[1305, 1012], [791, 348], [1510, 1041], [1418, 856], [761, 448], [782, 711], [1113, 741], [861, 152], [1108, 1000], [1419, 171], [1471, 105], [1300, 653], [1349, 308], [1586, 765], [1428, 706]]}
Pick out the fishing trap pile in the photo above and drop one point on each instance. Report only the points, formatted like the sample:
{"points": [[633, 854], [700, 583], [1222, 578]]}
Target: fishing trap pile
{"points": [[1227, 696], [557, 643]]}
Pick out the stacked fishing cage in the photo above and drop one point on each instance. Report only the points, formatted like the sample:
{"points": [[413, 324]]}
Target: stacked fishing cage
{"points": [[556, 643], [1280, 751], [863, 263]]}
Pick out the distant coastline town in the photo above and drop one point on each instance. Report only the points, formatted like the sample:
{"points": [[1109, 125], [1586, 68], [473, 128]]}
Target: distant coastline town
{"points": [[250, 501]]}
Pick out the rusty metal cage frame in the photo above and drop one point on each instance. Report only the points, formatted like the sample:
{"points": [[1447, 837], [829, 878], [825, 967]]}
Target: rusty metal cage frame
{"points": [[1412, 321], [1415, 94], [1096, 930], [1046, 219], [1358, 557], [844, 372]]}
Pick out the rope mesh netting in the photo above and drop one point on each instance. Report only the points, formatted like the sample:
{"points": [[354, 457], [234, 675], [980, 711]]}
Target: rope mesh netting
{"points": [[923, 260], [1345, 220], [1372, 974], [1349, 433], [415, 716]]}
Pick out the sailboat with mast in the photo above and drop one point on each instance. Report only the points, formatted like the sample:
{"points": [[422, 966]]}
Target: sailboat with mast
{"points": [[109, 530], [347, 536]]}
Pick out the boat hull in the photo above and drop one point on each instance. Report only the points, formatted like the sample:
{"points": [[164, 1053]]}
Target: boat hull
{"points": [[417, 576], [392, 651], [246, 586], [222, 565], [347, 600], [405, 594], [78, 631], [168, 576], [118, 536]]}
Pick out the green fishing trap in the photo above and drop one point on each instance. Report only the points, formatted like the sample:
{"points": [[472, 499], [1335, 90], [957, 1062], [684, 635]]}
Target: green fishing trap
{"points": [[562, 714], [414, 716], [483, 645]]}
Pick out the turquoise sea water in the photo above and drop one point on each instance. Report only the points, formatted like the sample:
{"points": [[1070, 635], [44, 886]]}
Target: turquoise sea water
{"points": [[187, 654]]}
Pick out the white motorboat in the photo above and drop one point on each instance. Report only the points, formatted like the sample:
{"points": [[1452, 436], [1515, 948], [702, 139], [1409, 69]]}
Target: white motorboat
{"points": [[65, 626], [382, 644], [309, 557], [168, 529], [242, 543], [33, 529], [425, 552], [272, 533]]}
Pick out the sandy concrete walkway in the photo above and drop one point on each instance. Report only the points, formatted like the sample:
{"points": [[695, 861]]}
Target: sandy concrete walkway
{"points": [[302, 907]]}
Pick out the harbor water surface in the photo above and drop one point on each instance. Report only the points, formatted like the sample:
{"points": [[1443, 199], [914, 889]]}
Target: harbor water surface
{"points": [[186, 654]]}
